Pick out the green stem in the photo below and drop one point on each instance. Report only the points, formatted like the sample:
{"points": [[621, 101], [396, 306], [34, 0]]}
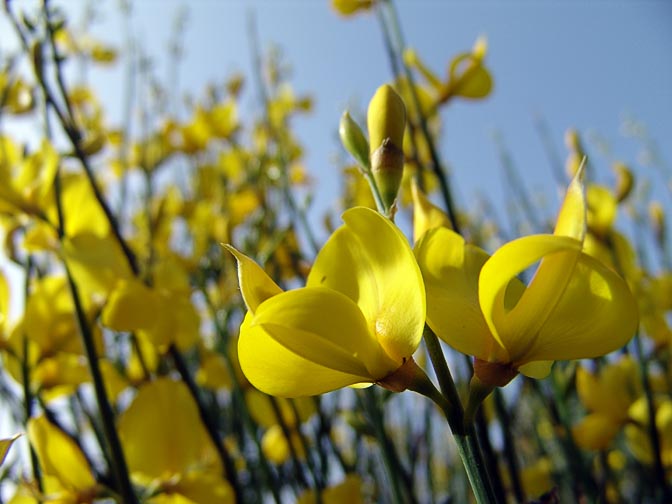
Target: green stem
{"points": [[463, 432], [573, 455], [286, 432], [509, 446], [395, 471]]}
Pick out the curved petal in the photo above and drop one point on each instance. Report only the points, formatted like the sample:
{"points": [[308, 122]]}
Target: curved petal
{"points": [[370, 261], [450, 269], [516, 319], [255, 285], [277, 371], [571, 219], [596, 315], [325, 327]]}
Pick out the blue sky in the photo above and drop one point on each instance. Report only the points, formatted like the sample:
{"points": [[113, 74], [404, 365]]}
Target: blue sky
{"points": [[575, 63], [578, 64]]}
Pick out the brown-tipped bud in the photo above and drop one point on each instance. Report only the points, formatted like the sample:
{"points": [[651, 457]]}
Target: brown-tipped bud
{"points": [[625, 181], [353, 140], [387, 166], [657, 216], [386, 120]]}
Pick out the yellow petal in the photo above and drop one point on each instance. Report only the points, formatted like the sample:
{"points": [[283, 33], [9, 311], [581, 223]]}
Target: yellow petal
{"points": [[201, 487], [596, 315], [571, 219], [370, 261], [350, 7], [276, 448], [612, 391], [277, 371], [426, 215], [59, 456], [121, 312], [97, 263], [451, 268], [536, 369], [595, 431], [514, 321], [255, 285], [155, 448], [325, 327], [5, 445]]}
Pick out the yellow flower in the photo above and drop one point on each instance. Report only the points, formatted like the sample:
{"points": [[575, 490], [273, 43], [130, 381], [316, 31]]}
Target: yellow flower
{"points": [[351, 7], [574, 307], [608, 397], [175, 457], [359, 318], [66, 474]]}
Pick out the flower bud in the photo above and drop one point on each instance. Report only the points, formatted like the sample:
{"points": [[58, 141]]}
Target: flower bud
{"points": [[625, 181], [354, 140], [386, 120], [657, 217]]}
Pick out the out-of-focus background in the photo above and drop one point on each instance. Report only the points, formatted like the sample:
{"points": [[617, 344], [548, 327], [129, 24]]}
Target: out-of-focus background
{"points": [[603, 68]]}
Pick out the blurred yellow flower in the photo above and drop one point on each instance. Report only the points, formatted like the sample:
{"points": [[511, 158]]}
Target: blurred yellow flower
{"points": [[608, 397], [66, 474], [176, 457], [359, 318]]}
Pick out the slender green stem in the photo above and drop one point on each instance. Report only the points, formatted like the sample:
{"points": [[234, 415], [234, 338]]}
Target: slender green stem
{"points": [[396, 472], [464, 433], [573, 455], [286, 432], [509, 446]]}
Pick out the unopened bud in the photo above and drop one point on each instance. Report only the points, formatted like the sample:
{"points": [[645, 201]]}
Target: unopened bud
{"points": [[386, 120], [572, 140], [657, 216], [353, 140], [625, 181]]}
